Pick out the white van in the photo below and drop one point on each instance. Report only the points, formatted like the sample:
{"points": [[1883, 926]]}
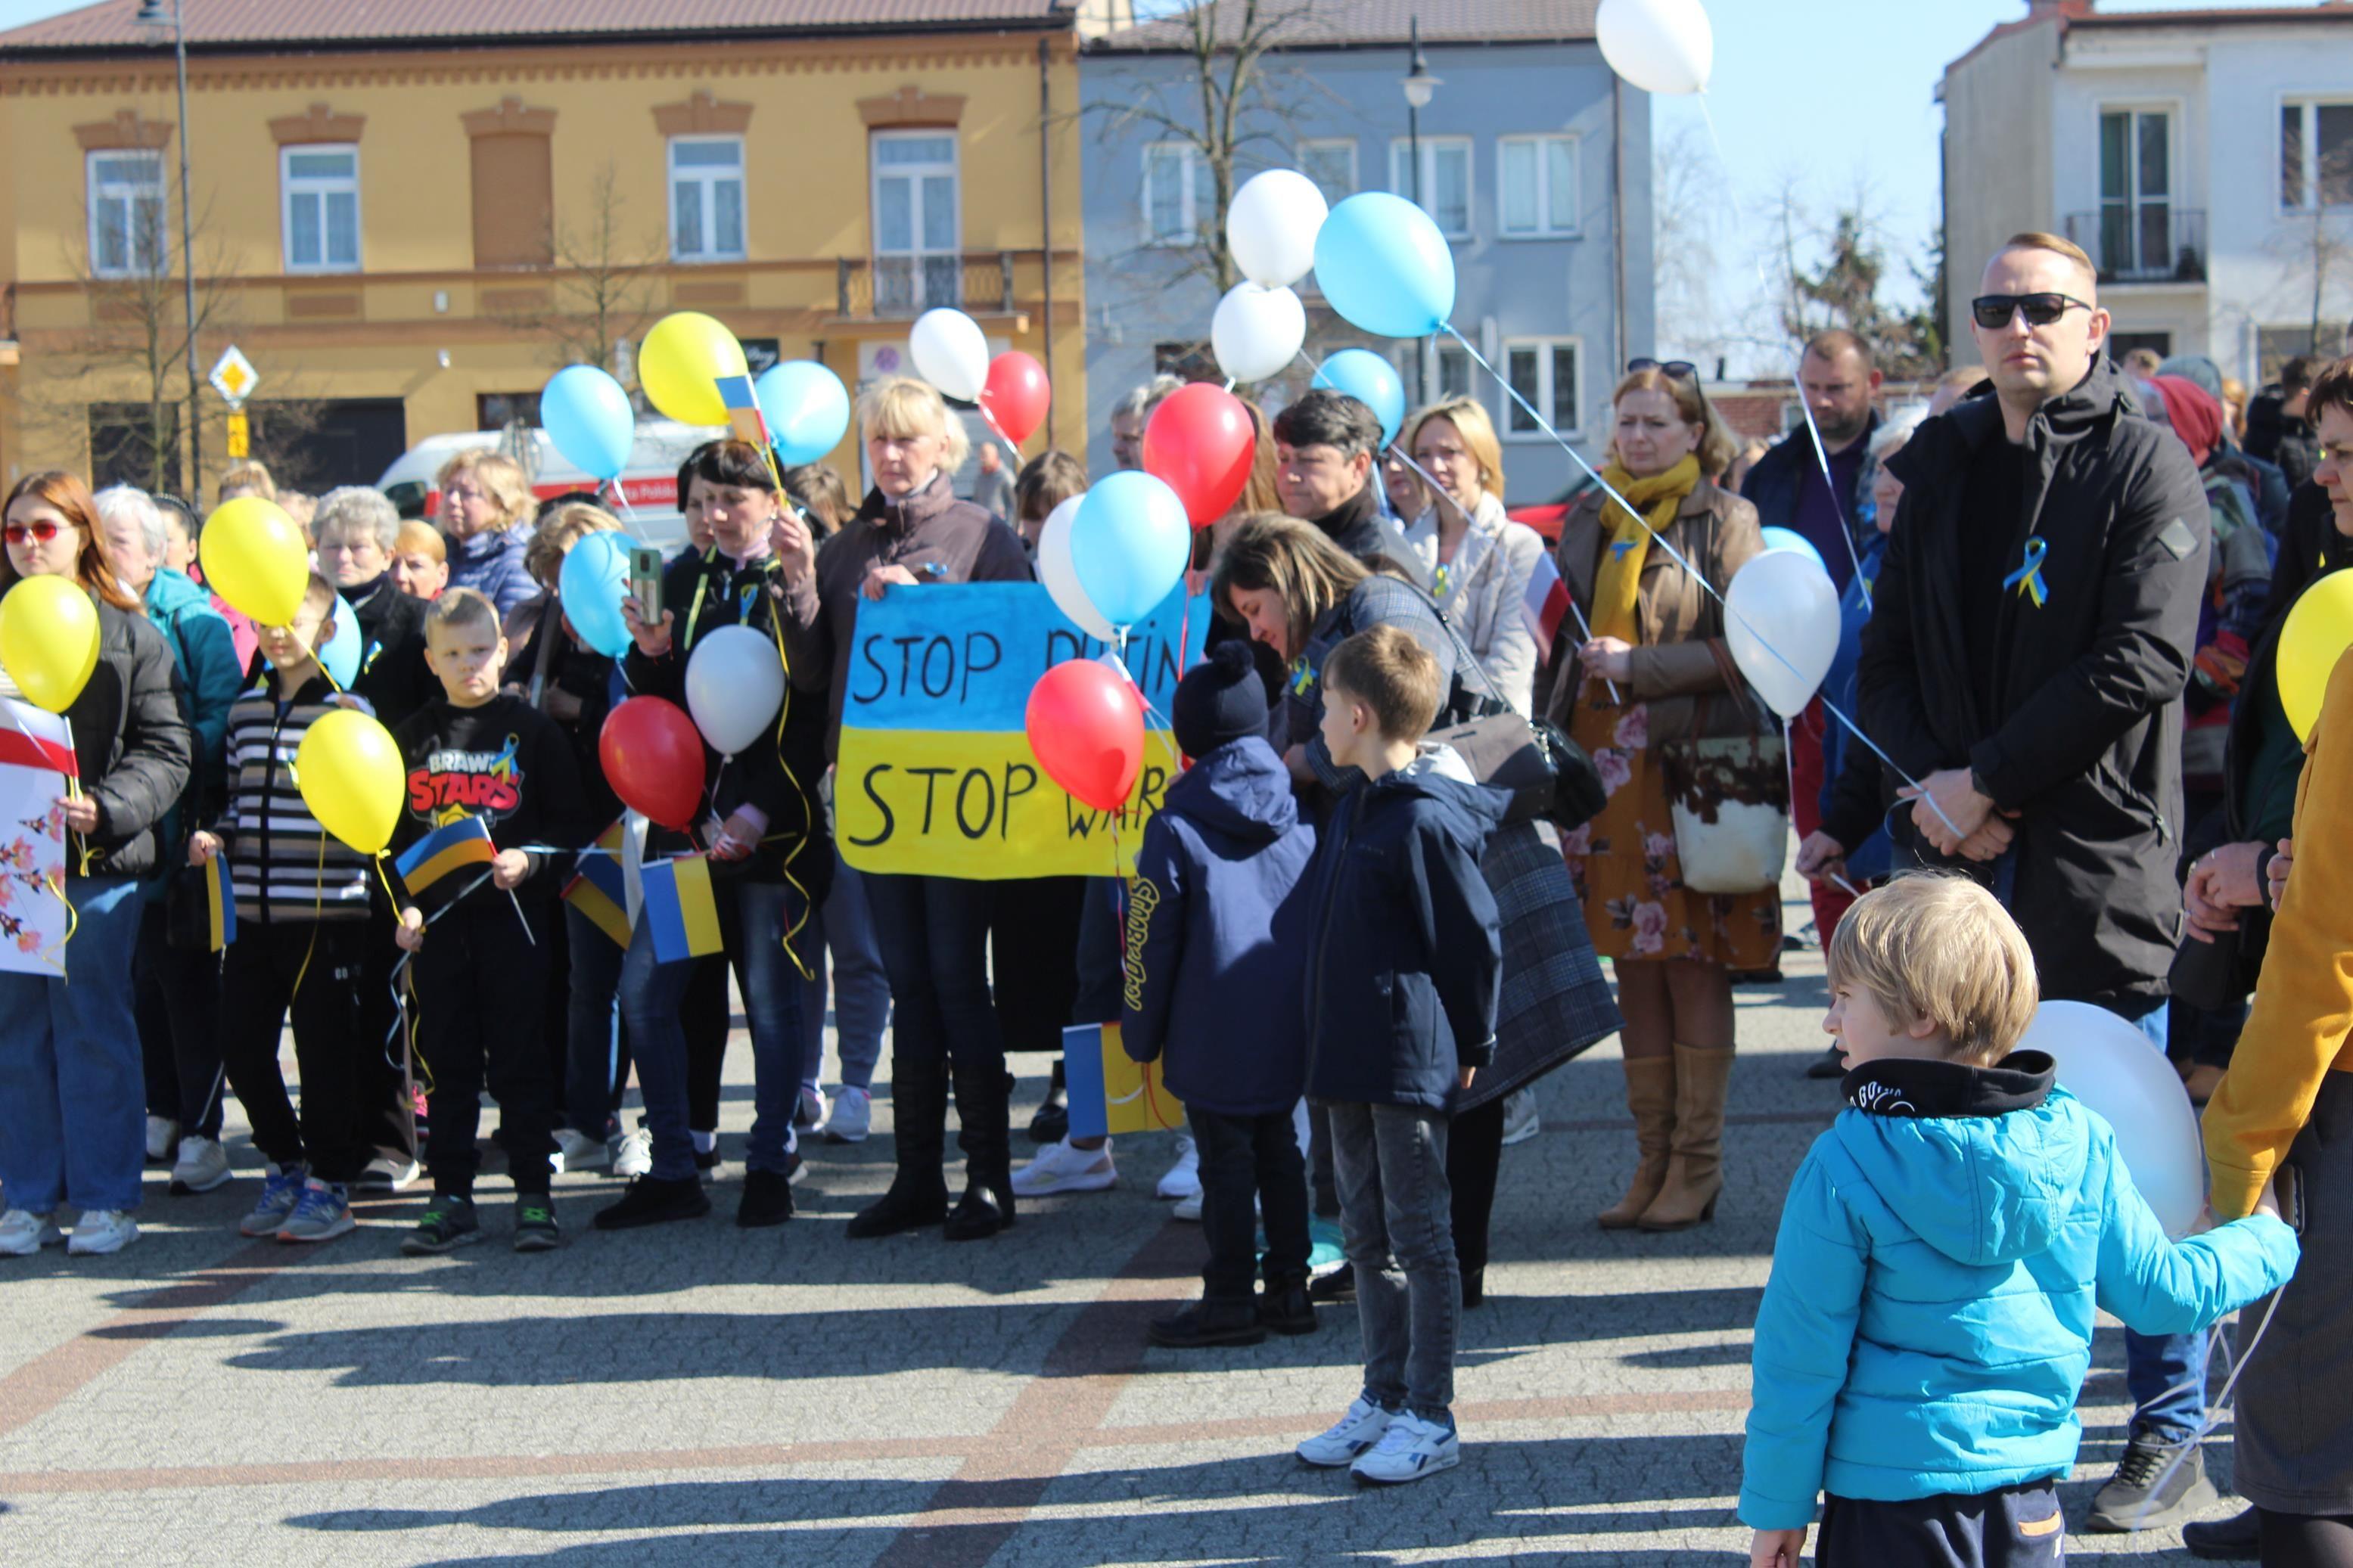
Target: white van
{"points": [[648, 486]]}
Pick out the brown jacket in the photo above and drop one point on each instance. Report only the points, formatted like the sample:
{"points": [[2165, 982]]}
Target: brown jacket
{"points": [[1715, 530]]}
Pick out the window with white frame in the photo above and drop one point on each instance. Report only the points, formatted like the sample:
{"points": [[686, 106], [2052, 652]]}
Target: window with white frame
{"points": [[918, 229], [320, 187], [1454, 370], [1331, 162], [1535, 179], [1445, 179], [706, 198], [126, 213], [1544, 371], [1180, 193], [2315, 153]]}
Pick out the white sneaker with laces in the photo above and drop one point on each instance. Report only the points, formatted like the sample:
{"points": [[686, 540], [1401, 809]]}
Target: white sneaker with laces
{"points": [[386, 1174], [1412, 1448], [1183, 1179], [575, 1150], [633, 1154], [202, 1166], [810, 1110], [100, 1231], [853, 1118], [163, 1137], [22, 1234], [1188, 1209], [1059, 1168], [1521, 1121], [1349, 1436]]}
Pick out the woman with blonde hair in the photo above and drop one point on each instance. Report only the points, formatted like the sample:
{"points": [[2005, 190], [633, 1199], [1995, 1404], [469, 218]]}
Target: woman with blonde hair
{"points": [[1479, 561], [485, 501], [1654, 670]]}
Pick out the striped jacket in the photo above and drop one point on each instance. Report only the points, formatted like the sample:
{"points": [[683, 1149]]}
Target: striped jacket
{"points": [[283, 865]]}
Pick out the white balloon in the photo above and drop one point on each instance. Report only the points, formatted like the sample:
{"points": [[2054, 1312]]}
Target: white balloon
{"points": [[1257, 331], [1061, 578], [1660, 45], [1271, 227], [1781, 622], [734, 684], [2108, 1064], [950, 353]]}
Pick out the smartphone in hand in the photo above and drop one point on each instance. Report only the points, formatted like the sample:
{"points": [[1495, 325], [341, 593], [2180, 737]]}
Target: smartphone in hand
{"points": [[645, 583]]}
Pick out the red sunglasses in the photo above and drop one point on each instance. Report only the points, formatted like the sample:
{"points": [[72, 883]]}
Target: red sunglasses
{"points": [[40, 532]]}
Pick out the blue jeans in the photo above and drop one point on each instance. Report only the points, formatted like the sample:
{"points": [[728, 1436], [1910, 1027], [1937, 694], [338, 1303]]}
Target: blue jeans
{"points": [[752, 918], [843, 927], [594, 1066], [73, 1092], [933, 933], [2165, 1373], [1397, 1215]]}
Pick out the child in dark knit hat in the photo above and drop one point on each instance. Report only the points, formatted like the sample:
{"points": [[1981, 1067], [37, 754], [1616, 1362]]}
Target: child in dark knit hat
{"points": [[1215, 945]]}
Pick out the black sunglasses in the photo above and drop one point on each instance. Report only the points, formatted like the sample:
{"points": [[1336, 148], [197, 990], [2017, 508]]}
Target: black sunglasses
{"points": [[1993, 311], [1672, 369]]}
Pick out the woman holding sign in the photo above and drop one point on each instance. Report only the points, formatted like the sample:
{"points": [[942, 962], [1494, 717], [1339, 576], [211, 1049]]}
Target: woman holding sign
{"points": [[911, 532]]}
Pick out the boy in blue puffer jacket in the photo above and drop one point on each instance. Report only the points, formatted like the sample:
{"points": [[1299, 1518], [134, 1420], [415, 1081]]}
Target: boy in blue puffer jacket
{"points": [[1929, 1323]]}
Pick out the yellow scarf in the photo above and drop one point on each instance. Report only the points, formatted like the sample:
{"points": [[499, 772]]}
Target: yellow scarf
{"points": [[1619, 581]]}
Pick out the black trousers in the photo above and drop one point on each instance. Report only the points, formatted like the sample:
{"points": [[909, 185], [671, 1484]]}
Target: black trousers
{"points": [[314, 970], [1244, 1157], [1474, 1153], [2017, 1525], [176, 999], [2305, 1541], [481, 986]]}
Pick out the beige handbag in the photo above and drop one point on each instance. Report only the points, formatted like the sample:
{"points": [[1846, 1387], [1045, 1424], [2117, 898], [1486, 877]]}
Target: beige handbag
{"points": [[1728, 790]]}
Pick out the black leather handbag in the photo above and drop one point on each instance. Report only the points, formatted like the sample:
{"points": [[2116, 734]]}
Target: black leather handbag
{"points": [[1547, 776]]}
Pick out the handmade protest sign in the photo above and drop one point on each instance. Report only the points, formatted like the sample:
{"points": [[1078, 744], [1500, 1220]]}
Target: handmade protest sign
{"points": [[935, 775]]}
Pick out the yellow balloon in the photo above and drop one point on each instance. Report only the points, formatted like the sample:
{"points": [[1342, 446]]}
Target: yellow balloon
{"points": [[2318, 631], [680, 365], [48, 639], [349, 775], [254, 557]]}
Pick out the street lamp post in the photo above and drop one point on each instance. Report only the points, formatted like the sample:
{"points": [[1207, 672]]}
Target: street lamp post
{"points": [[151, 14], [1418, 86]]}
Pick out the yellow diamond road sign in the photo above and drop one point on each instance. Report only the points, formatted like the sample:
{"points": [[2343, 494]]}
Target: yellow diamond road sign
{"points": [[233, 376]]}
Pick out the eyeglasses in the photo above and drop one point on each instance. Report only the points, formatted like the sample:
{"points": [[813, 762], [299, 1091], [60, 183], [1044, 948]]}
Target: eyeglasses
{"points": [[39, 532], [1672, 369], [1993, 311]]}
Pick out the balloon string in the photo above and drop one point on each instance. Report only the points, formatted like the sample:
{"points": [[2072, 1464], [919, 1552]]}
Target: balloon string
{"points": [[73, 917], [997, 430], [1822, 459]]}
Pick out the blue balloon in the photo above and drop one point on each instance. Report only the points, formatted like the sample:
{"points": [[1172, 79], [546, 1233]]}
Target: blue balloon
{"points": [[1129, 544], [1383, 265], [594, 578], [1788, 539], [806, 409], [1371, 381], [340, 656], [587, 415]]}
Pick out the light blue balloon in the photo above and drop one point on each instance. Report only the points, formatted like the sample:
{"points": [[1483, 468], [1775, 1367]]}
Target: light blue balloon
{"points": [[806, 409], [1383, 265], [341, 658], [1129, 544], [594, 578], [587, 415], [1371, 381], [1789, 539]]}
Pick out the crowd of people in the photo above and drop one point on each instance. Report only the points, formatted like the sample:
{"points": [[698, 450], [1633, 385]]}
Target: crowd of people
{"points": [[2049, 760]]}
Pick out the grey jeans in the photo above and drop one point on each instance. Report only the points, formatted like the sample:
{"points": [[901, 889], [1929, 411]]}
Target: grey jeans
{"points": [[1396, 1213]]}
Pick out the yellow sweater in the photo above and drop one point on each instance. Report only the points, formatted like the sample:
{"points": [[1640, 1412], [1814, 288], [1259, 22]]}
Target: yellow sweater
{"points": [[2304, 1001]]}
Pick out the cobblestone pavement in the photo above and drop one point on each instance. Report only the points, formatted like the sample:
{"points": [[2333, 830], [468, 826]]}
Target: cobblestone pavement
{"points": [[699, 1394]]}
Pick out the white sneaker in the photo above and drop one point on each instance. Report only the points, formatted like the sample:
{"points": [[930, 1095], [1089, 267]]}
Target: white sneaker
{"points": [[22, 1234], [163, 1137], [1059, 1168], [853, 1118], [1187, 1208], [633, 1153], [1410, 1449], [1521, 1121], [1351, 1436], [102, 1231], [1184, 1178], [575, 1150], [202, 1166], [386, 1174], [809, 1110]]}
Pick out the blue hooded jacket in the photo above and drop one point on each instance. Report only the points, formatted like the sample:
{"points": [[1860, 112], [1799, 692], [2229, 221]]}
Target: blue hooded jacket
{"points": [[1216, 920], [1929, 1323], [491, 564]]}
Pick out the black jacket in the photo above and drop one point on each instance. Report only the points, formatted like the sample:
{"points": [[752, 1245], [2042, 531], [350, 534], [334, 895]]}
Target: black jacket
{"points": [[1778, 480], [1405, 957], [506, 762], [2084, 740], [393, 675], [2276, 438], [132, 740]]}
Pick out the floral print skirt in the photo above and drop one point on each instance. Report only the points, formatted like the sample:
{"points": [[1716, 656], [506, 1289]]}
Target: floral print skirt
{"points": [[1624, 865]]}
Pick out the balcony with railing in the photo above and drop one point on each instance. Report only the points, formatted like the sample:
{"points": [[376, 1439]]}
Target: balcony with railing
{"points": [[894, 287], [2144, 242]]}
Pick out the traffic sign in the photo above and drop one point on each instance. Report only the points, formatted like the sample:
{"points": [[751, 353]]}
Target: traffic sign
{"points": [[240, 435], [234, 377]]}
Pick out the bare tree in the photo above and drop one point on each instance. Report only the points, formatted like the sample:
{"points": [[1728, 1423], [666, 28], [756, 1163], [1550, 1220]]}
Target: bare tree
{"points": [[601, 280], [1686, 196]]}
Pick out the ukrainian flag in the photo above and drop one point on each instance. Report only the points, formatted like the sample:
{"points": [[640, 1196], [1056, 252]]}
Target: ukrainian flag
{"points": [[743, 410], [462, 843], [220, 905], [599, 889], [680, 908]]}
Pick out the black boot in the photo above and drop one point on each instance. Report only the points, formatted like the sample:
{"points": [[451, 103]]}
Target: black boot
{"points": [[1053, 1122], [1284, 1307], [985, 1105], [919, 1194]]}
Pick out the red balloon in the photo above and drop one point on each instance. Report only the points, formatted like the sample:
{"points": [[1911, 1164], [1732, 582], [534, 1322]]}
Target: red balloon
{"points": [[1087, 728], [1016, 394], [1201, 443], [652, 755]]}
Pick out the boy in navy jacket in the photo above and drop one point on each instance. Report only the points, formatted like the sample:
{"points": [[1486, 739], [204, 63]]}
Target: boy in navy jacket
{"points": [[1214, 923], [1404, 970]]}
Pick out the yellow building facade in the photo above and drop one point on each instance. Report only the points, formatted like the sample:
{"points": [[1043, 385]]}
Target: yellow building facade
{"points": [[407, 237]]}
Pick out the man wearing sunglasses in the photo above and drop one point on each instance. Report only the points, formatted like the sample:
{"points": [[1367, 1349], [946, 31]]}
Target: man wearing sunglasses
{"points": [[2030, 637]]}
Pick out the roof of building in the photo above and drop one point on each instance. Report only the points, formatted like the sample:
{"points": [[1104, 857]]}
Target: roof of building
{"points": [[1356, 23], [2068, 14], [233, 25]]}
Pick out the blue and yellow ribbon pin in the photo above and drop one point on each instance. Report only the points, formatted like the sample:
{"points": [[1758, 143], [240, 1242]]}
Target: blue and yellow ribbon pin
{"points": [[2028, 578], [1303, 677]]}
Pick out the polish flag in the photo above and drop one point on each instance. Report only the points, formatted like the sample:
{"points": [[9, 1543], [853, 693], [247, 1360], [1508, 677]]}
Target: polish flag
{"points": [[1544, 604], [30, 738]]}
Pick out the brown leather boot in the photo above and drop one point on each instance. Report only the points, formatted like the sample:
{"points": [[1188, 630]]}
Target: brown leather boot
{"points": [[1696, 1170], [1650, 1096]]}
